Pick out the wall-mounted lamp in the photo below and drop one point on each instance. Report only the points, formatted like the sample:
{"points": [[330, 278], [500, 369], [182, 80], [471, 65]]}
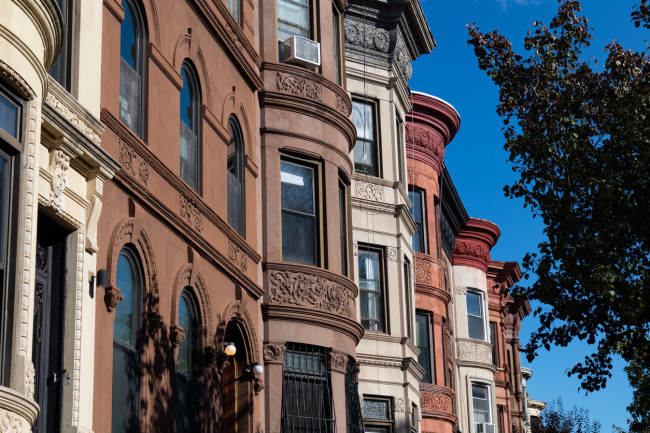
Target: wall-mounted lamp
{"points": [[251, 371], [101, 280], [229, 348]]}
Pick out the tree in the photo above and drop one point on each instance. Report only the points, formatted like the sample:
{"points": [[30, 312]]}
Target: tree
{"points": [[579, 138], [555, 419]]}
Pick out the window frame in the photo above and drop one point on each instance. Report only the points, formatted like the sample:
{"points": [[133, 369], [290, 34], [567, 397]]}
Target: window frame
{"points": [[478, 293], [408, 290], [343, 226], [381, 254], [420, 227], [240, 156], [12, 147], [316, 166], [194, 339], [430, 347], [401, 147], [387, 424], [339, 45], [312, 11], [138, 289], [140, 42], [488, 389], [194, 88], [376, 163], [63, 61], [494, 340], [238, 17]]}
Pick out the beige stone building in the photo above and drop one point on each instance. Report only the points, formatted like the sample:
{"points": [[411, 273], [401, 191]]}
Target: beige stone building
{"points": [[52, 173]]}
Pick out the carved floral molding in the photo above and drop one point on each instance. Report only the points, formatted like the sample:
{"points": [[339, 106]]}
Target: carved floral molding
{"points": [[190, 213], [474, 352], [422, 272], [273, 352], [237, 256], [366, 36], [72, 117], [60, 164], [300, 86], [425, 140], [369, 191], [313, 291], [133, 164], [435, 402]]}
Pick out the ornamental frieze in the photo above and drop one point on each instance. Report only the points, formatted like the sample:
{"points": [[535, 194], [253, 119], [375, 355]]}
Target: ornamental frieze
{"points": [[313, 291], [435, 402], [425, 140], [475, 352], [369, 191], [300, 86], [237, 256], [133, 164], [422, 272], [366, 36], [190, 213]]}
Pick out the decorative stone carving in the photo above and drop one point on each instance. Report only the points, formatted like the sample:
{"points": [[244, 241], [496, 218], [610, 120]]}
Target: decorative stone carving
{"points": [[12, 423], [222, 362], [258, 385], [190, 213], [403, 60], [392, 254], [422, 272], [399, 406], [413, 175], [442, 281], [369, 191], [30, 375], [466, 247], [343, 106], [176, 335], [437, 319], [60, 164], [72, 117], [469, 351], [461, 290], [500, 376], [237, 256], [435, 402], [425, 140], [273, 352], [366, 36], [300, 86], [10, 75], [293, 288], [154, 322], [447, 233], [233, 37], [94, 210], [112, 298], [337, 361], [133, 164]]}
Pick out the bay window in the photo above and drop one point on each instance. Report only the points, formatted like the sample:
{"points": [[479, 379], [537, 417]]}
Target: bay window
{"points": [[366, 148], [481, 409], [371, 286], [418, 213], [475, 315]]}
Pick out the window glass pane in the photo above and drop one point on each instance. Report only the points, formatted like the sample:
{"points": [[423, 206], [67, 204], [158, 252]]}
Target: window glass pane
{"points": [[336, 31], [363, 119], [233, 7], [475, 327], [364, 157], [187, 114], [130, 96], [372, 307], [293, 19], [480, 404], [375, 408], [235, 178], [124, 324], [299, 238], [423, 329], [297, 188], [184, 360], [343, 228], [5, 177], [9, 113], [128, 35], [416, 208], [125, 395], [473, 304], [189, 157]]}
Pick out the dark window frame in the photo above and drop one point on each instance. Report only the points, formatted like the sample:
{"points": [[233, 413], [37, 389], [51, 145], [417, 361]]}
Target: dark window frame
{"points": [[354, 413], [408, 290], [140, 42], [479, 294], [316, 166], [376, 165], [343, 227], [339, 46], [189, 383], [384, 321], [238, 15], [11, 147], [138, 285], [421, 226], [61, 69], [237, 222], [194, 88], [401, 148], [312, 31], [429, 370], [387, 424], [494, 340]]}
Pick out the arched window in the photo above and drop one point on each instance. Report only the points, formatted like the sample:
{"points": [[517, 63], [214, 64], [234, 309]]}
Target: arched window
{"points": [[236, 177], [126, 328], [186, 365], [190, 100], [132, 49]]}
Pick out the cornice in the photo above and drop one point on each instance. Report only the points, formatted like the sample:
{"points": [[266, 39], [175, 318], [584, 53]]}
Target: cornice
{"points": [[47, 18], [474, 242], [19, 404], [436, 402]]}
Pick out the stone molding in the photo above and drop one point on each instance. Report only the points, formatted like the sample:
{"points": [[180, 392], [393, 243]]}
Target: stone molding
{"points": [[425, 141], [237, 256], [437, 402], [17, 411], [133, 164], [369, 191], [74, 114], [475, 351], [429, 277], [337, 361], [366, 36], [300, 86], [274, 353], [16, 81], [59, 166], [473, 244]]}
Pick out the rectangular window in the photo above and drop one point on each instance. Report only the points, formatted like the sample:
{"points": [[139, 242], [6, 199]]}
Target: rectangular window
{"points": [[306, 390], [424, 343], [418, 213], [234, 6], [343, 218], [443, 334], [300, 230], [481, 408], [61, 67], [338, 60], [475, 325], [414, 418], [401, 150], [377, 413], [371, 285], [408, 297], [9, 116], [493, 341], [294, 18], [365, 148]]}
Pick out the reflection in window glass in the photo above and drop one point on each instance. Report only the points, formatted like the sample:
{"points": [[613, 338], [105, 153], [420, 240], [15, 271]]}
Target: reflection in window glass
{"points": [[124, 325], [4, 209], [9, 113], [375, 408], [184, 360], [235, 165], [365, 148], [299, 231], [343, 226], [418, 216], [475, 326], [370, 285], [186, 368], [481, 407], [234, 8], [189, 134], [423, 338], [131, 68]]}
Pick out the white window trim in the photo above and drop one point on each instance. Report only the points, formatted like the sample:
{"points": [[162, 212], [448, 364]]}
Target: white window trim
{"points": [[484, 318], [487, 386]]}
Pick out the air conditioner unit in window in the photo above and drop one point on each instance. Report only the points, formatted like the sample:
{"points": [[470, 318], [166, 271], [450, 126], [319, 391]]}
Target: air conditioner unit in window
{"points": [[302, 51], [488, 428]]}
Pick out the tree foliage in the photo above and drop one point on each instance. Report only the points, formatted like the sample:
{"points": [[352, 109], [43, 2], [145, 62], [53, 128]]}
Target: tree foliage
{"points": [[556, 419], [578, 135]]}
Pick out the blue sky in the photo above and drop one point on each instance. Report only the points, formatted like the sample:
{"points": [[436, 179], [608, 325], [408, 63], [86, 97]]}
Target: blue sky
{"points": [[478, 163]]}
